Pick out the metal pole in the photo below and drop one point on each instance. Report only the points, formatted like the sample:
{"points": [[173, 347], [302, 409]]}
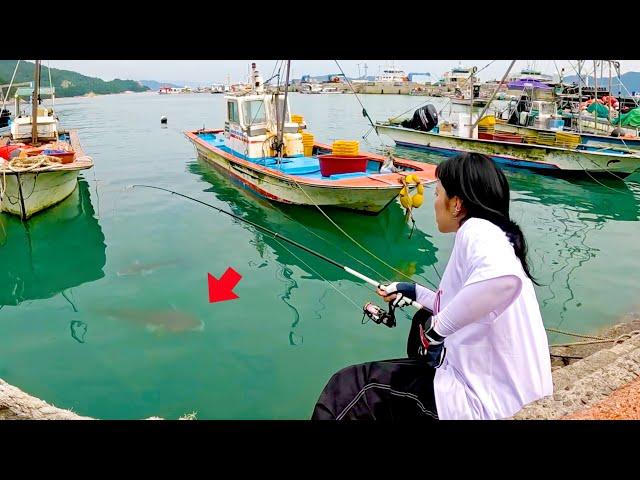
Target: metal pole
{"points": [[34, 105], [284, 111], [609, 115], [579, 95], [471, 104], [495, 92], [595, 83]]}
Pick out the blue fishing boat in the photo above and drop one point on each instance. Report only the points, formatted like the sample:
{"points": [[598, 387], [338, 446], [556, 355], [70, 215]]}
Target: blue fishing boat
{"points": [[267, 150]]}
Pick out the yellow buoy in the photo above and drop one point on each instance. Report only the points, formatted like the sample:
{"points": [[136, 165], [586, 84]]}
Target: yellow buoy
{"points": [[408, 201], [405, 201]]}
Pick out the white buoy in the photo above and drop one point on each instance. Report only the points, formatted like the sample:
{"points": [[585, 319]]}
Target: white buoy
{"points": [[163, 119]]}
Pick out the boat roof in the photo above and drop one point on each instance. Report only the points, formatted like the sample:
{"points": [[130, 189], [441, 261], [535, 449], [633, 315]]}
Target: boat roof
{"points": [[28, 91]]}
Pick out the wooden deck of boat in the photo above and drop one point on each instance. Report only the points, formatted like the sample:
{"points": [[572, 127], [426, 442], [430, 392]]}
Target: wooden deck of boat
{"points": [[80, 162]]}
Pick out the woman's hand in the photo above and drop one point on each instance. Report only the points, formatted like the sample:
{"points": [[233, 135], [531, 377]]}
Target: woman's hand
{"points": [[387, 297], [399, 294]]}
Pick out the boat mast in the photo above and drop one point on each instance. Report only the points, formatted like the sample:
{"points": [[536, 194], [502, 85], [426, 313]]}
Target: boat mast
{"points": [[579, 95], [486, 107], [595, 83], [284, 110], [34, 105], [473, 70], [610, 93]]}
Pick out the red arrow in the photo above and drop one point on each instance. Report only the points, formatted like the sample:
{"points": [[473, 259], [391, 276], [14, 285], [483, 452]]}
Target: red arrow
{"points": [[220, 290]]}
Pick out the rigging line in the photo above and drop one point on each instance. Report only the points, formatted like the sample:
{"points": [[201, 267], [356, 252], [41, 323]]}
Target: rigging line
{"points": [[486, 66], [329, 243], [419, 105], [354, 92], [384, 148], [4, 100], [624, 86], [276, 235], [358, 243], [558, 71], [272, 72], [53, 97], [446, 102], [324, 279], [597, 181]]}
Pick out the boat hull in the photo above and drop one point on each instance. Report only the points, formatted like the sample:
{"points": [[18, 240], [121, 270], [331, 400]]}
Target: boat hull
{"points": [[520, 155], [464, 101], [588, 139], [280, 189], [28, 193]]}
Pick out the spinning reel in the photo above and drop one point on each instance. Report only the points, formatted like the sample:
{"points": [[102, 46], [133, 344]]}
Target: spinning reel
{"points": [[379, 315]]}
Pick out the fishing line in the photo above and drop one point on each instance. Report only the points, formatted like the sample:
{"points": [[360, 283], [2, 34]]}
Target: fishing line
{"points": [[276, 235]]}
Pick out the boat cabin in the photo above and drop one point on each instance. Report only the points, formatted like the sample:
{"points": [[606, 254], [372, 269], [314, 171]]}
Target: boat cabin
{"points": [[46, 120], [252, 123]]}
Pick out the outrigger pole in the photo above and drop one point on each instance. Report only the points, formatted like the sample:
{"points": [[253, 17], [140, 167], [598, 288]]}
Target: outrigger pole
{"points": [[288, 240]]}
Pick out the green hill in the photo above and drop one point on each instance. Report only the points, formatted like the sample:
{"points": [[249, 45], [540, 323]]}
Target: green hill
{"points": [[66, 82]]}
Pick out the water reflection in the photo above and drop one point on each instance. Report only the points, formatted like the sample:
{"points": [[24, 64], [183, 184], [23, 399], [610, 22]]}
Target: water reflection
{"points": [[78, 330], [53, 252], [574, 209], [386, 235]]}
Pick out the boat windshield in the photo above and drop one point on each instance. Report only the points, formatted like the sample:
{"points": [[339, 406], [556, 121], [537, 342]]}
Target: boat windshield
{"points": [[254, 112]]}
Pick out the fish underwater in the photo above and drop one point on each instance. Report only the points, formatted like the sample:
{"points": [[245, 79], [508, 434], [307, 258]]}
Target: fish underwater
{"points": [[142, 269], [169, 320]]}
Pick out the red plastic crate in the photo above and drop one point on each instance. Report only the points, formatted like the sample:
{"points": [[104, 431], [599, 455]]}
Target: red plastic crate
{"points": [[508, 137], [331, 164]]}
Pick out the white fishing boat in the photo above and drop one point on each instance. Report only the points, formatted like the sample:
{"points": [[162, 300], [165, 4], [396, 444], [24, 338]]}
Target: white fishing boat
{"points": [[263, 148], [545, 151], [39, 162]]}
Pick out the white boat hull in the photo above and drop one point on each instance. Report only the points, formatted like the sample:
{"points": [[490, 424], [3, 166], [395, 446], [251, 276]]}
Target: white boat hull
{"points": [[28, 193], [521, 155]]}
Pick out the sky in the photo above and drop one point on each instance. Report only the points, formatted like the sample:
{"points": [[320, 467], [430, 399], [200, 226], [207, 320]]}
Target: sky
{"points": [[205, 72]]}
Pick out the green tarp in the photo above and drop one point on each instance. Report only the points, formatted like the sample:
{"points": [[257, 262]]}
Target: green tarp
{"points": [[603, 112], [629, 119]]}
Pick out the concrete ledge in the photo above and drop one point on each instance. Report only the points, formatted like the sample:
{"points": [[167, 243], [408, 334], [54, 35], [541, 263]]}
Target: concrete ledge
{"points": [[17, 405], [588, 381]]}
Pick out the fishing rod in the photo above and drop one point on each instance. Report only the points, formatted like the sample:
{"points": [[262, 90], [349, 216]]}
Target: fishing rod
{"points": [[375, 313]]}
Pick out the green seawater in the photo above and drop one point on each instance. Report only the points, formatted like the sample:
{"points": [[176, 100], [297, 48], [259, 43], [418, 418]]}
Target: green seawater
{"points": [[104, 301]]}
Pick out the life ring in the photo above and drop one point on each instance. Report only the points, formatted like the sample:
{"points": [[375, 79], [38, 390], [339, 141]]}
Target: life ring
{"points": [[407, 200]]}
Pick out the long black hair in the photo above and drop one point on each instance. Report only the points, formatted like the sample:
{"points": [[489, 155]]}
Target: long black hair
{"points": [[484, 191]]}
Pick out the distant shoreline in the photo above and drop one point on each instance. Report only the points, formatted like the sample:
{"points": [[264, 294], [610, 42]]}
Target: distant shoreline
{"points": [[92, 94]]}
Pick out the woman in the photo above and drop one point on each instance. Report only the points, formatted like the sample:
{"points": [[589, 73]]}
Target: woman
{"points": [[478, 349]]}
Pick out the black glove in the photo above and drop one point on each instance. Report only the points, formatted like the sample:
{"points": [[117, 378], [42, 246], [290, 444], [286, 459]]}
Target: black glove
{"points": [[404, 292], [432, 344], [424, 342]]}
